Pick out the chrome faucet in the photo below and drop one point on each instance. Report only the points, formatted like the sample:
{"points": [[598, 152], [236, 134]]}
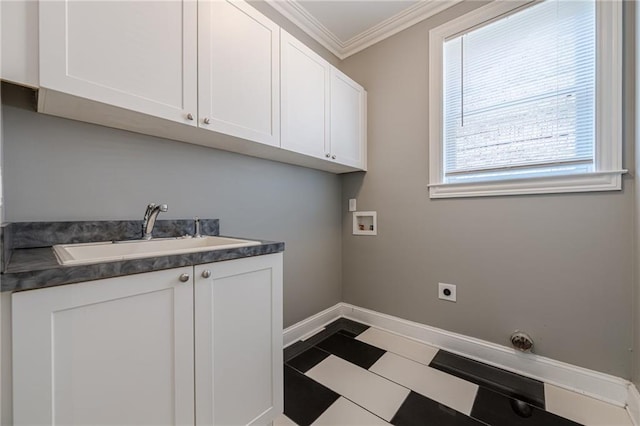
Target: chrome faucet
{"points": [[150, 219]]}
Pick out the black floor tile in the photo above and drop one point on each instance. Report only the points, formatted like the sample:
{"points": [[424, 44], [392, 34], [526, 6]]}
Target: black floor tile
{"points": [[308, 359], [317, 338], [352, 350], [294, 350], [499, 410], [350, 326], [348, 334], [305, 399], [502, 381], [421, 411], [341, 325]]}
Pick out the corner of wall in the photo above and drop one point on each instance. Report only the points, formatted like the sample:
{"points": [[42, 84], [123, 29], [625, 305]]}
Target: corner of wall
{"points": [[634, 64], [1, 221]]}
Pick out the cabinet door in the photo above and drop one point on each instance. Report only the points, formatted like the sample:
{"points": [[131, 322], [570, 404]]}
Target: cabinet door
{"points": [[348, 121], [138, 55], [19, 42], [117, 351], [238, 71], [238, 329], [305, 79]]}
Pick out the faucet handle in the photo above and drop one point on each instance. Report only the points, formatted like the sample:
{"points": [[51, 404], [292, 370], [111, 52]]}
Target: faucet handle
{"points": [[196, 221], [164, 207], [150, 208]]}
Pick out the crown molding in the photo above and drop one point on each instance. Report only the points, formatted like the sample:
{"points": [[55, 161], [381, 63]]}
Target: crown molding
{"points": [[296, 13], [393, 25]]}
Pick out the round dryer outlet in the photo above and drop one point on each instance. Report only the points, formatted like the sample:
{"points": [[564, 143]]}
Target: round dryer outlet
{"points": [[522, 341]]}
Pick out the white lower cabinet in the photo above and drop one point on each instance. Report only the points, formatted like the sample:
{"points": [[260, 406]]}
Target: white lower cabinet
{"points": [[113, 351], [122, 350], [238, 329]]}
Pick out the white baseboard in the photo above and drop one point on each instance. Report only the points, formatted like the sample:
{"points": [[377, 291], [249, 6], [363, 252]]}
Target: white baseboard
{"points": [[633, 404], [604, 387], [311, 325]]}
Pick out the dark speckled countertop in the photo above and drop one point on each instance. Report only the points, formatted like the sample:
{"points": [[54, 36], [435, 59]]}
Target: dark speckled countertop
{"points": [[29, 262]]}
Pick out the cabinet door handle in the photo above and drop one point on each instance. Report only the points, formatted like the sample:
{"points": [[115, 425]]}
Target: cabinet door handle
{"points": [[206, 120], [190, 117], [327, 155], [184, 278], [206, 273], [333, 157]]}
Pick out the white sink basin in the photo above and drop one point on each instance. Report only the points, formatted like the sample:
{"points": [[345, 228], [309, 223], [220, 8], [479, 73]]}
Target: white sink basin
{"points": [[108, 251]]}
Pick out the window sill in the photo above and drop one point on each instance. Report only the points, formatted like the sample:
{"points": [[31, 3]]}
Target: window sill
{"points": [[589, 182]]}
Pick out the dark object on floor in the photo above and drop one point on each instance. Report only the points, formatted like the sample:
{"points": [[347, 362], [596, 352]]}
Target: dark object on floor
{"points": [[497, 410], [505, 382], [521, 408]]}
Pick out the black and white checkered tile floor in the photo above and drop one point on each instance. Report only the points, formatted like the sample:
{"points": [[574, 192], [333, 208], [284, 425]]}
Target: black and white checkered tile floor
{"points": [[352, 374]]}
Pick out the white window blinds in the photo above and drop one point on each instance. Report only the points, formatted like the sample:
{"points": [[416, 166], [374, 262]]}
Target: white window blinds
{"points": [[519, 95]]}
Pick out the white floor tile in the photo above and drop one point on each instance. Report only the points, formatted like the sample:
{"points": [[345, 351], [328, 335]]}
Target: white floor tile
{"points": [[408, 348], [583, 409], [434, 384], [345, 413], [378, 395], [283, 420]]}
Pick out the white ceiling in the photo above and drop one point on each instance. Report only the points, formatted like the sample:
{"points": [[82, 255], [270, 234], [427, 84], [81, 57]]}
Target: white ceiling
{"points": [[347, 19], [345, 26]]}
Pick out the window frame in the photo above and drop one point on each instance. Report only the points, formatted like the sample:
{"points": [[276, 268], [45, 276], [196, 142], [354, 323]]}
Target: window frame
{"points": [[607, 175]]}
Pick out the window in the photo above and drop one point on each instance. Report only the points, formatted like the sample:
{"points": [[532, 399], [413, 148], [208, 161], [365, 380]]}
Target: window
{"points": [[526, 99]]}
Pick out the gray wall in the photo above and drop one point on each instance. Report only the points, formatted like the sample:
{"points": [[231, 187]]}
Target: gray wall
{"points": [[58, 169], [556, 266]]}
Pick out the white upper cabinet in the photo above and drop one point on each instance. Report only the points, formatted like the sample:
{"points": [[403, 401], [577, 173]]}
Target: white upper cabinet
{"points": [[238, 71], [210, 72], [348, 121], [305, 79], [19, 42], [323, 110], [137, 55]]}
